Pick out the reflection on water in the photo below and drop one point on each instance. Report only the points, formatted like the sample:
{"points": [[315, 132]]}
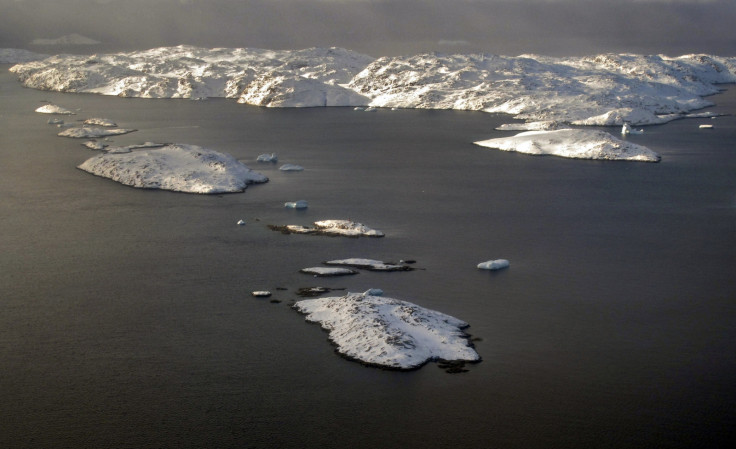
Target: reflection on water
{"points": [[127, 318]]}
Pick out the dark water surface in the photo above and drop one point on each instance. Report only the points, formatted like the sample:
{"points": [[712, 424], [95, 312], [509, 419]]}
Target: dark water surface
{"points": [[126, 318]]}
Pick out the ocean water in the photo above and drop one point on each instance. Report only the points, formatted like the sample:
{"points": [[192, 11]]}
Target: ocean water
{"points": [[126, 318]]}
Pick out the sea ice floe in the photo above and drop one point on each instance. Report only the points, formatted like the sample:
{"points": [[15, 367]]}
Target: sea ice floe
{"points": [[573, 143], [332, 228], [291, 167], [87, 132], [325, 271], [266, 157], [369, 264], [301, 204], [544, 125], [387, 332], [54, 109], [705, 126], [261, 293], [177, 167], [95, 145], [497, 264]]}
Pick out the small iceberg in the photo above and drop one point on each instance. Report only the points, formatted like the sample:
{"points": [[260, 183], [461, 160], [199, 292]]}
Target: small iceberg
{"points": [[573, 143], [345, 228], [291, 167], [261, 293], [100, 122], [301, 204], [90, 132], [387, 332], [627, 129], [241, 223], [705, 126], [494, 265], [267, 158], [176, 167], [325, 272], [53, 109], [369, 264]]}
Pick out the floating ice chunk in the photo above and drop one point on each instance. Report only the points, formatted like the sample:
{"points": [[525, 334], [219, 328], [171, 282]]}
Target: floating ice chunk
{"points": [[267, 158], [387, 332], [93, 131], [53, 109], [324, 271], [331, 227], [177, 167], [370, 109], [493, 265], [373, 292], [369, 264], [291, 167], [705, 126], [261, 293], [627, 129], [573, 143], [100, 122], [55, 121], [301, 204], [241, 223]]}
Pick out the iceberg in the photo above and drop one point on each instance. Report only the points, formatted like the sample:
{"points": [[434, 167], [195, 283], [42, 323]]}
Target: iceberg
{"points": [[86, 132], [387, 332], [301, 204], [324, 271], [53, 109], [493, 265], [176, 167], [345, 228], [267, 158], [573, 143], [369, 264], [627, 129]]}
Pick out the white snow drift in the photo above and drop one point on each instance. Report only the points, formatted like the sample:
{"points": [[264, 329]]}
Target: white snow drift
{"points": [[177, 167], [573, 143], [388, 332]]}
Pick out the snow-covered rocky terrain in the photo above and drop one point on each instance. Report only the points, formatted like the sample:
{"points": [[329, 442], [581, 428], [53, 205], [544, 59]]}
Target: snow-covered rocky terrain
{"points": [[573, 143], [604, 90], [181, 168], [345, 228], [387, 332]]}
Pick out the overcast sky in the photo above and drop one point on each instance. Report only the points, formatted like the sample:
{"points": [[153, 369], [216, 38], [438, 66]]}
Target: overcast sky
{"points": [[384, 27]]}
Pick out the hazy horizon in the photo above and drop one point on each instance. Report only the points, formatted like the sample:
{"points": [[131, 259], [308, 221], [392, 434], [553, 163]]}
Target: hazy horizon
{"points": [[382, 27]]}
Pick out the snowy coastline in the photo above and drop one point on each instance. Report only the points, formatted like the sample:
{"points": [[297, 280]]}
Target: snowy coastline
{"points": [[600, 90]]}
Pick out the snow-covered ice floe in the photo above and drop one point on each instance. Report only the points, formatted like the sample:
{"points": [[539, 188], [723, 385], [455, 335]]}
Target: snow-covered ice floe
{"points": [[387, 332], [177, 167], [326, 271], [331, 227], [573, 143], [369, 264], [598, 90], [497, 264], [88, 132], [54, 109]]}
